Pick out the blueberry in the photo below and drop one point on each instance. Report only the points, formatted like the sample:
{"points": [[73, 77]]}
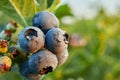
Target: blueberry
{"points": [[56, 40], [24, 69], [43, 62], [31, 39], [26, 72], [45, 21]]}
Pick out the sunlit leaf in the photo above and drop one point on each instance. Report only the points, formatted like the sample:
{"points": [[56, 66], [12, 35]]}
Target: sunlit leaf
{"points": [[49, 3], [63, 10], [54, 5], [22, 11], [41, 3]]}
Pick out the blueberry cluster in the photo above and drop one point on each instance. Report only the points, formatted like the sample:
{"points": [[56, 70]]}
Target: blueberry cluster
{"points": [[46, 43]]}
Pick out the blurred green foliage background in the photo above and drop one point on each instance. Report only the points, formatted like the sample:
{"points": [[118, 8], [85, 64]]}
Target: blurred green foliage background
{"points": [[94, 49]]}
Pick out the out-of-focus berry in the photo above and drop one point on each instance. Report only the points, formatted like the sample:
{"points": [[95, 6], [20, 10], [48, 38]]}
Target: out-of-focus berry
{"points": [[6, 34], [45, 21], [31, 39], [77, 41], [5, 64], [43, 62], [12, 26], [13, 51], [3, 46]]}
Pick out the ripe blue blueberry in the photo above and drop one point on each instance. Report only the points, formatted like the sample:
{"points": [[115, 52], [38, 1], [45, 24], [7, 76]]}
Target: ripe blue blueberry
{"points": [[45, 21], [57, 41], [27, 74], [24, 69], [43, 62], [31, 39]]}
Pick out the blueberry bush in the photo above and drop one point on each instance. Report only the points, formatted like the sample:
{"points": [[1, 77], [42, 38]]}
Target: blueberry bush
{"points": [[94, 49], [32, 41]]}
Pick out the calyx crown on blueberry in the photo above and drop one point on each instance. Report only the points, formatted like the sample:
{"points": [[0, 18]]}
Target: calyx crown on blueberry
{"points": [[31, 39]]}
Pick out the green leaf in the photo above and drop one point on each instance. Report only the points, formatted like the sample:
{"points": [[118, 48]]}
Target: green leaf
{"points": [[41, 3], [54, 5], [49, 3], [22, 11], [63, 10], [4, 19]]}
